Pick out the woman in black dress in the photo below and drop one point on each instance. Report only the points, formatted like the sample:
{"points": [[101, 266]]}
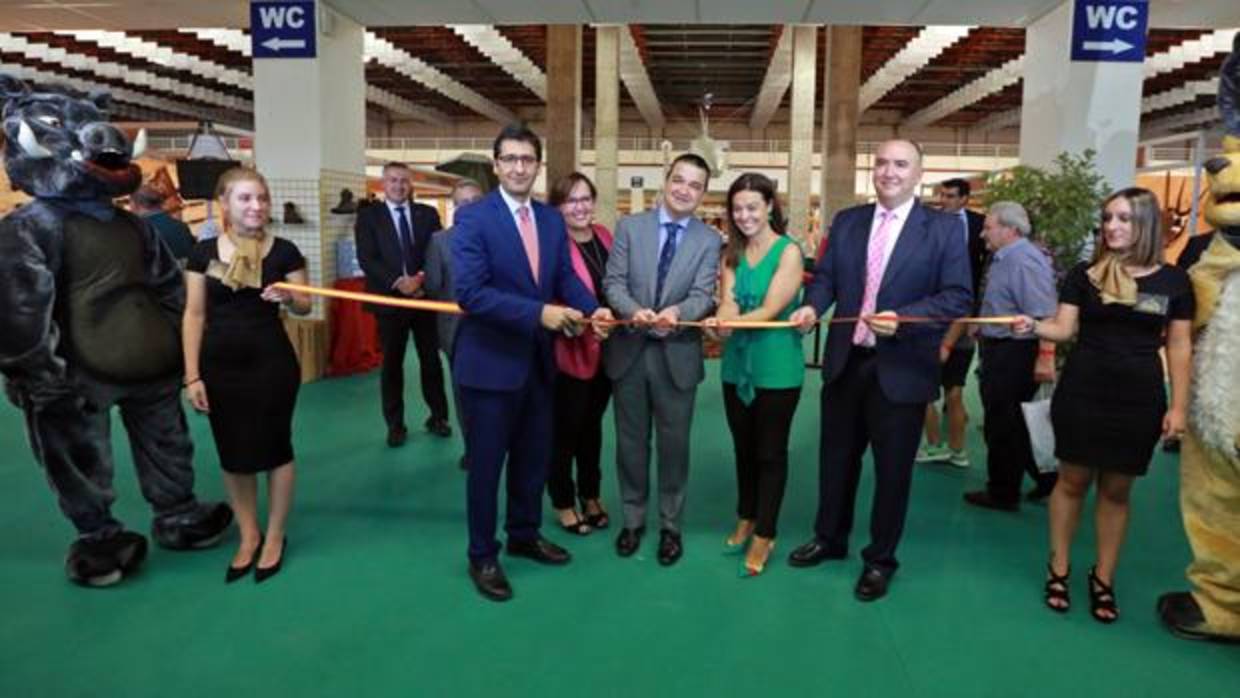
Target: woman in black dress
{"points": [[1110, 407], [239, 364]]}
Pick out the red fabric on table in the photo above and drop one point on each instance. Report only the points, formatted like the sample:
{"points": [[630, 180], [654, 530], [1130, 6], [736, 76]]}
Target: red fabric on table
{"points": [[355, 336]]}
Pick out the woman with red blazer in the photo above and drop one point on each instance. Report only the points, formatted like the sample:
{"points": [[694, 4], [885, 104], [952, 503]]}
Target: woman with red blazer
{"points": [[582, 388]]}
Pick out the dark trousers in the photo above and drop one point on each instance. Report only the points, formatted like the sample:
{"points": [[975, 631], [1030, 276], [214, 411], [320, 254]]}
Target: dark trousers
{"points": [[856, 414], [760, 441], [1007, 381], [74, 446], [511, 427], [394, 330], [579, 408]]}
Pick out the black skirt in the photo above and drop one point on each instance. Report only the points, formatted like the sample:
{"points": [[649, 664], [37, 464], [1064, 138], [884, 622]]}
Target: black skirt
{"points": [[251, 376], [1107, 414]]}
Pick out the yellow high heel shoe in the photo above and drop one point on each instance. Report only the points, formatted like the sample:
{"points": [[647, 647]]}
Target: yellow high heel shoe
{"points": [[747, 571]]}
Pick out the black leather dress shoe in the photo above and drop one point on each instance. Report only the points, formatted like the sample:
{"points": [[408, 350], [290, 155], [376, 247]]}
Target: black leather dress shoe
{"points": [[539, 550], [490, 581], [983, 499], [812, 553], [396, 436], [872, 585], [670, 547], [629, 540], [439, 427]]}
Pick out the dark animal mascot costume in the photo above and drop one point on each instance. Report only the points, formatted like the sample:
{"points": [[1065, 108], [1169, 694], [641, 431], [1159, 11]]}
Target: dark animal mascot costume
{"points": [[90, 308], [1210, 456]]}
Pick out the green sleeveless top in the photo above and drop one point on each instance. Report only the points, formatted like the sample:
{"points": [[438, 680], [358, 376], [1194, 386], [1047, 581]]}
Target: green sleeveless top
{"points": [[762, 358]]}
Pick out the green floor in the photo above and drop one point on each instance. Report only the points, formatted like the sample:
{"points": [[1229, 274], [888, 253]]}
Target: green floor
{"points": [[374, 599]]}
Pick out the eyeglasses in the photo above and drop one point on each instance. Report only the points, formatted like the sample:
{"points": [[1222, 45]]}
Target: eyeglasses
{"points": [[511, 160], [579, 201]]}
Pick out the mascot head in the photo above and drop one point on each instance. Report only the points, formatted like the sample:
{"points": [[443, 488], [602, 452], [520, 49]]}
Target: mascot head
{"points": [[1223, 205], [59, 144]]}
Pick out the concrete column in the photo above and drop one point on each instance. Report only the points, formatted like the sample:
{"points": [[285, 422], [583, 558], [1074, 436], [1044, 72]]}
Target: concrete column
{"points": [[606, 121], [563, 136], [841, 84], [801, 149], [309, 142], [1074, 106]]}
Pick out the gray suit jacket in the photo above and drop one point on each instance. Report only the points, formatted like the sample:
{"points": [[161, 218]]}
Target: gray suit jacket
{"points": [[632, 271], [438, 284]]}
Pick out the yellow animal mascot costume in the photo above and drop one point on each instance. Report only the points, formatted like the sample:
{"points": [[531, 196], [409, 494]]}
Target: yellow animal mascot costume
{"points": [[1210, 457]]}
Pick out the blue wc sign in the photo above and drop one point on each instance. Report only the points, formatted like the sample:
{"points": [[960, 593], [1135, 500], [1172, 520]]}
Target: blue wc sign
{"points": [[1109, 30], [282, 29]]}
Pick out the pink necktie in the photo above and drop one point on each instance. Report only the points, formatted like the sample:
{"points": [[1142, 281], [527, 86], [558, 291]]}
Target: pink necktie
{"points": [[875, 265], [529, 238]]}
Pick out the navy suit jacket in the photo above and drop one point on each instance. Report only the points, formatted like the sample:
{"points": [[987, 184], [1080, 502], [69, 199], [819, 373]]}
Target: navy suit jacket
{"points": [[501, 336], [928, 275]]}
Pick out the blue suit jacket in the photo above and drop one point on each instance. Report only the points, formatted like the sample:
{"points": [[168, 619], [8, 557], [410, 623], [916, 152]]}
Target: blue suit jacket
{"points": [[501, 335], [927, 275]]}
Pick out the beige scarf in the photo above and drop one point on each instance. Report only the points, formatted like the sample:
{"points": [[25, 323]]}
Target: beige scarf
{"points": [[246, 268], [1219, 260], [1113, 282]]}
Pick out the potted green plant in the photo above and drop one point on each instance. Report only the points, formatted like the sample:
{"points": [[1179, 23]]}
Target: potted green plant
{"points": [[1063, 202]]}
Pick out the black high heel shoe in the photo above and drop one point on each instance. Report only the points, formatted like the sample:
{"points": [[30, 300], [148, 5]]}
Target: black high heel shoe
{"points": [[235, 573], [262, 574], [1101, 599], [1057, 590]]}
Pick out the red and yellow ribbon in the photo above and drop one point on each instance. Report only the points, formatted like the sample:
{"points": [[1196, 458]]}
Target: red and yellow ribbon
{"points": [[453, 308]]}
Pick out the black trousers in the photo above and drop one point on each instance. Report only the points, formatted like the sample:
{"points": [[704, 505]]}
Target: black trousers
{"points": [[856, 415], [579, 408], [394, 330], [760, 441], [1007, 381]]}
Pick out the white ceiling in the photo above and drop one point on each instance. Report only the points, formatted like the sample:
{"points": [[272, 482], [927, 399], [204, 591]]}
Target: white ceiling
{"points": [[36, 15]]}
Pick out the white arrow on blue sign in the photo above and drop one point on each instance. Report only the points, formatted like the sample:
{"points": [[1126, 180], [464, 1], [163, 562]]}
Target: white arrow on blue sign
{"points": [[281, 29], [1109, 30]]}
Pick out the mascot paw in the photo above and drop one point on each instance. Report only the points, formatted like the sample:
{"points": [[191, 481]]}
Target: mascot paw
{"points": [[1182, 615], [201, 528], [103, 563]]}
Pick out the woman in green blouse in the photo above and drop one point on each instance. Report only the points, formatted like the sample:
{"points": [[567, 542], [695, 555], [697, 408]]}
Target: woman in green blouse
{"points": [[762, 368]]}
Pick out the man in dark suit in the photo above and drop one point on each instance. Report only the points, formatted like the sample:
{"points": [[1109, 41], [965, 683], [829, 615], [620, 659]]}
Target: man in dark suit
{"points": [[438, 286], [885, 261], [510, 262], [391, 248], [956, 352]]}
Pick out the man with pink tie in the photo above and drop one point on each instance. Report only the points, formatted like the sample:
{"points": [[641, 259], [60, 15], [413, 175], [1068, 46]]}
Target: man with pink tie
{"points": [[884, 262]]}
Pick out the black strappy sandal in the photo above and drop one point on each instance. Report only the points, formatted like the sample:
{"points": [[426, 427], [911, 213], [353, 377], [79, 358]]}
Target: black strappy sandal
{"points": [[578, 527], [598, 520], [1057, 589], [1101, 599]]}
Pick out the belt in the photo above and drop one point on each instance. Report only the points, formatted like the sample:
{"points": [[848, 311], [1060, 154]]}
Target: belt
{"points": [[864, 352]]}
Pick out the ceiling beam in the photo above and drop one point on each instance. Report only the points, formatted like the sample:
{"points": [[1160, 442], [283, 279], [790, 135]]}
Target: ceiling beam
{"points": [[120, 94], [388, 54], [637, 81], [1174, 58], [924, 47], [775, 83], [504, 54], [238, 41], [136, 77]]}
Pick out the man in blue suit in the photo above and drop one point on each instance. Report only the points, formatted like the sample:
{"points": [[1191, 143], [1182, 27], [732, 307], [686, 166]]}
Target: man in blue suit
{"points": [[511, 267], [885, 261]]}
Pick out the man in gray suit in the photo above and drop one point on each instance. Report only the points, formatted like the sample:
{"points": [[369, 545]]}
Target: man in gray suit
{"points": [[662, 269], [438, 286]]}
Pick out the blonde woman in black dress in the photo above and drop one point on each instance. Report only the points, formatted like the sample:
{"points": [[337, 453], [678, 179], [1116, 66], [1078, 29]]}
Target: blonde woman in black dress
{"points": [[240, 367], [1110, 408]]}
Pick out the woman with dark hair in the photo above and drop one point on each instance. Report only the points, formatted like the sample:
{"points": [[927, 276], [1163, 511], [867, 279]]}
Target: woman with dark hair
{"points": [[240, 367], [762, 369], [1110, 407], [582, 388]]}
